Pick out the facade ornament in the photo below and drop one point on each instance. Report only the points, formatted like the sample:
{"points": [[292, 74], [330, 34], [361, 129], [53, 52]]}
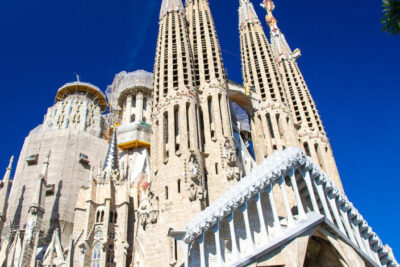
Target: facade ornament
{"points": [[229, 153], [148, 209], [233, 173], [196, 192], [194, 169], [30, 227]]}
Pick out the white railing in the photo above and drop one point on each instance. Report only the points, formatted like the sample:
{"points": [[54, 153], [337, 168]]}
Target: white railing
{"points": [[251, 209]]}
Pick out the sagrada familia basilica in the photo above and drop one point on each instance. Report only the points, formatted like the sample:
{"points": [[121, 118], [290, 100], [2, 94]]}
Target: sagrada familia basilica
{"points": [[183, 167]]}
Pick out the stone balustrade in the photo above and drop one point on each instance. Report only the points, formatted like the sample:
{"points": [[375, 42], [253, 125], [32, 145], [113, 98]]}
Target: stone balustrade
{"points": [[248, 221]]}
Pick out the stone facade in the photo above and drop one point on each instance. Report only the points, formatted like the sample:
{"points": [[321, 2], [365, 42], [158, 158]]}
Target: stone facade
{"points": [[163, 174]]}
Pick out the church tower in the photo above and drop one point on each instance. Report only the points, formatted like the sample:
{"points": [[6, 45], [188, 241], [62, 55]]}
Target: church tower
{"points": [[312, 135], [272, 123], [178, 181], [215, 118], [73, 130]]}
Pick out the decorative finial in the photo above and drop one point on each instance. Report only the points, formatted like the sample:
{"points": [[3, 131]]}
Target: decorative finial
{"points": [[11, 163], [46, 165], [269, 6]]}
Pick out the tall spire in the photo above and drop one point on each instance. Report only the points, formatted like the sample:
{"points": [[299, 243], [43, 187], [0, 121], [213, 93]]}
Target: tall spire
{"points": [[272, 123], [7, 175], [170, 6], [4, 193], [216, 125], [178, 181], [112, 160], [311, 131], [247, 13]]}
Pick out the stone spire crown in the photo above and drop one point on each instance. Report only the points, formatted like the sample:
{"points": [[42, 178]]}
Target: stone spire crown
{"points": [[170, 6], [111, 164], [247, 13], [279, 44], [7, 175]]}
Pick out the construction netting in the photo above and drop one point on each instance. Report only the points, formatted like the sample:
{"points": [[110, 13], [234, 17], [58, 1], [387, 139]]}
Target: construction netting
{"points": [[126, 80]]}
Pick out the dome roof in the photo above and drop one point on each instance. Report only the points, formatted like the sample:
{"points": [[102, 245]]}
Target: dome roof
{"points": [[74, 87]]}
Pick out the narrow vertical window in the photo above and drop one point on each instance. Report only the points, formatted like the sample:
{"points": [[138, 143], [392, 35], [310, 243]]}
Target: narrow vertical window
{"points": [[176, 127], [197, 127], [203, 139], [216, 168], [179, 186], [165, 136], [134, 101], [166, 192], [144, 103], [210, 115], [271, 130], [187, 124], [307, 149]]}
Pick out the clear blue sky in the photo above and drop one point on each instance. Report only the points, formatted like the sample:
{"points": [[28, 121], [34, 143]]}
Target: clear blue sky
{"points": [[351, 67]]}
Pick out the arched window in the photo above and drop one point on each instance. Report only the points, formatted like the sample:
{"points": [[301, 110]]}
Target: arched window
{"points": [[96, 254]]}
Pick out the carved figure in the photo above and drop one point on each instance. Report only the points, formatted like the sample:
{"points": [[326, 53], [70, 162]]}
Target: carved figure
{"points": [[148, 208], [194, 169], [230, 154]]}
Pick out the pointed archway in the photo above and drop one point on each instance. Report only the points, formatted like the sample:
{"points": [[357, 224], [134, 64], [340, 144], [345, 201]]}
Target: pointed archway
{"points": [[320, 252]]}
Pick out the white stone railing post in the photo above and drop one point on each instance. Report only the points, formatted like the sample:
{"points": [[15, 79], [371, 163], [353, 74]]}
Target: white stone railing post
{"points": [[261, 216], [218, 245], [289, 214], [300, 207], [332, 202], [355, 222], [235, 249], [277, 223], [247, 223], [344, 208], [201, 241], [322, 198], [307, 179]]}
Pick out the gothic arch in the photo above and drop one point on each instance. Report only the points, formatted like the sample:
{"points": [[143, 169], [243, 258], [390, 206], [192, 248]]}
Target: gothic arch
{"points": [[321, 252]]}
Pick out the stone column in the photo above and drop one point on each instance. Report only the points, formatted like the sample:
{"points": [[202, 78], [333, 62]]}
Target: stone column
{"points": [[286, 201], [307, 179], [218, 245], [322, 198], [300, 207], [277, 223], [261, 216], [139, 106], [247, 223], [235, 249], [128, 109]]}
